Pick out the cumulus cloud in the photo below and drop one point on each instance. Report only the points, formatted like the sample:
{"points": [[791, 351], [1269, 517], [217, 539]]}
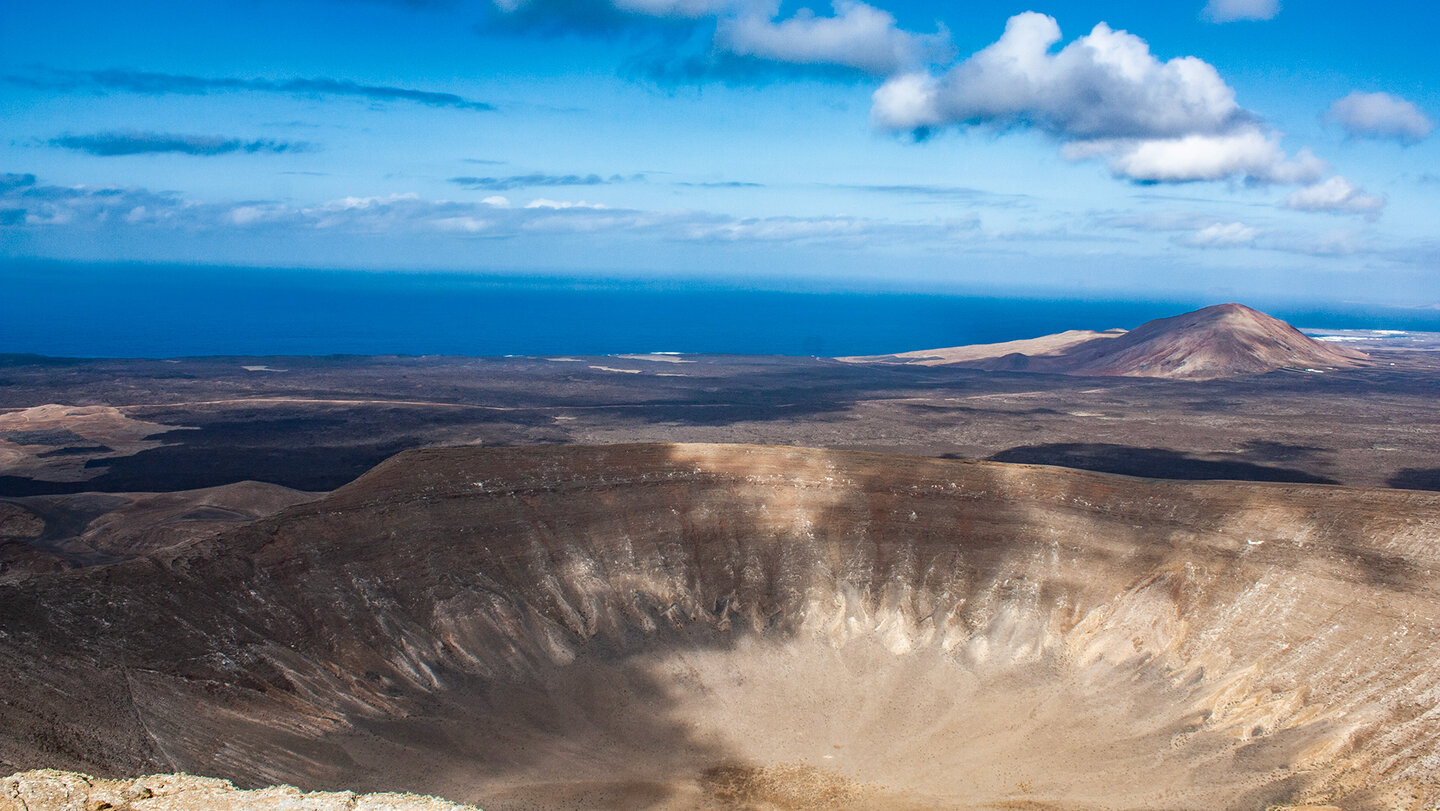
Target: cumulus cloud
{"points": [[135, 81], [1227, 11], [1106, 84], [1335, 195], [739, 38], [1380, 115], [1103, 95], [112, 144], [858, 36], [1248, 153]]}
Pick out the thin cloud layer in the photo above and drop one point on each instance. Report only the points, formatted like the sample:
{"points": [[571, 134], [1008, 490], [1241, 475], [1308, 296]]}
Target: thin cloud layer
{"points": [[31, 204], [113, 144], [15, 180], [1223, 235], [27, 204], [135, 81], [1337, 195], [1381, 116], [1105, 95], [540, 179], [1229, 11]]}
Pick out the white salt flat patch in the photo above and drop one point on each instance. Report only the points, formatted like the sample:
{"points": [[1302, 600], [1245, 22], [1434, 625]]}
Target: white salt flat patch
{"points": [[657, 357]]}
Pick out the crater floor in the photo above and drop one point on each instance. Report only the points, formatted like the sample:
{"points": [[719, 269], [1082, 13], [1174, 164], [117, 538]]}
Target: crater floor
{"points": [[681, 626]]}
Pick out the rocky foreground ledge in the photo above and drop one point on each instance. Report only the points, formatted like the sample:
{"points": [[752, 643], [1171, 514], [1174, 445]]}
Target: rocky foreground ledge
{"points": [[51, 790]]}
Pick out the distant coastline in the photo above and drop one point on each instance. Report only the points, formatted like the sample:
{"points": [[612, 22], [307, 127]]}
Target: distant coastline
{"points": [[100, 310]]}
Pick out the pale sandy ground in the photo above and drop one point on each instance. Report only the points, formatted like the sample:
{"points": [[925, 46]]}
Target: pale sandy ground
{"points": [[1044, 345], [50, 790], [657, 358], [109, 432]]}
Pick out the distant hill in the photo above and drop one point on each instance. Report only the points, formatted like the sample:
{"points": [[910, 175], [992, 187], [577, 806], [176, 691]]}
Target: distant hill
{"points": [[1225, 340], [1045, 345]]}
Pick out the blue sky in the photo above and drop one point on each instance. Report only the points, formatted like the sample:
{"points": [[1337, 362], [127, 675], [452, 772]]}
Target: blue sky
{"points": [[1227, 148]]}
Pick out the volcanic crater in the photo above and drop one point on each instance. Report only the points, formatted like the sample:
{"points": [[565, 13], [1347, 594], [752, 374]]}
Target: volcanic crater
{"points": [[729, 626]]}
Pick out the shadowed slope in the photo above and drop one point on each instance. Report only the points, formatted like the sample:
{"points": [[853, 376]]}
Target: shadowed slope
{"points": [[702, 625], [53, 533]]}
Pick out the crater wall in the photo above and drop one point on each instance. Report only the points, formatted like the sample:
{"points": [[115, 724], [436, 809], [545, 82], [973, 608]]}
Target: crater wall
{"points": [[716, 625]]}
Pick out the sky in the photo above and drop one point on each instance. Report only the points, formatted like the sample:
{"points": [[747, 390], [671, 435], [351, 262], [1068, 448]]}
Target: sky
{"points": [[1221, 148]]}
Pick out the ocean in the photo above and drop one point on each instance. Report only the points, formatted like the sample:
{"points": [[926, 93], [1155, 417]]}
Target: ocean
{"points": [[109, 310]]}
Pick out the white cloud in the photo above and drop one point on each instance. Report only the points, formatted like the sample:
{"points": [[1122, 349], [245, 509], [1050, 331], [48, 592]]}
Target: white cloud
{"points": [[1223, 235], [1335, 195], [1380, 115], [497, 200], [906, 102], [1227, 11], [1105, 95], [742, 35], [83, 210], [858, 36], [1106, 84], [366, 203], [1248, 153]]}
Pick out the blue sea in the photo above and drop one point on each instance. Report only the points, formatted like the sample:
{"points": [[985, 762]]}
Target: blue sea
{"points": [[110, 310]]}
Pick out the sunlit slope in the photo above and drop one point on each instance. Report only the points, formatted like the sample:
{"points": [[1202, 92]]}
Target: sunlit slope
{"points": [[711, 625]]}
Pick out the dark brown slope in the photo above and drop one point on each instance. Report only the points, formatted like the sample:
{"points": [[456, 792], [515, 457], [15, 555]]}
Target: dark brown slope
{"points": [[1225, 340], [691, 626], [54, 533]]}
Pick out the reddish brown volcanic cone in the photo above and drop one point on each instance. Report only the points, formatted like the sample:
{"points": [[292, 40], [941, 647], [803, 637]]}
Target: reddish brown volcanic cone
{"points": [[1220, 341], [1226, 340]]}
